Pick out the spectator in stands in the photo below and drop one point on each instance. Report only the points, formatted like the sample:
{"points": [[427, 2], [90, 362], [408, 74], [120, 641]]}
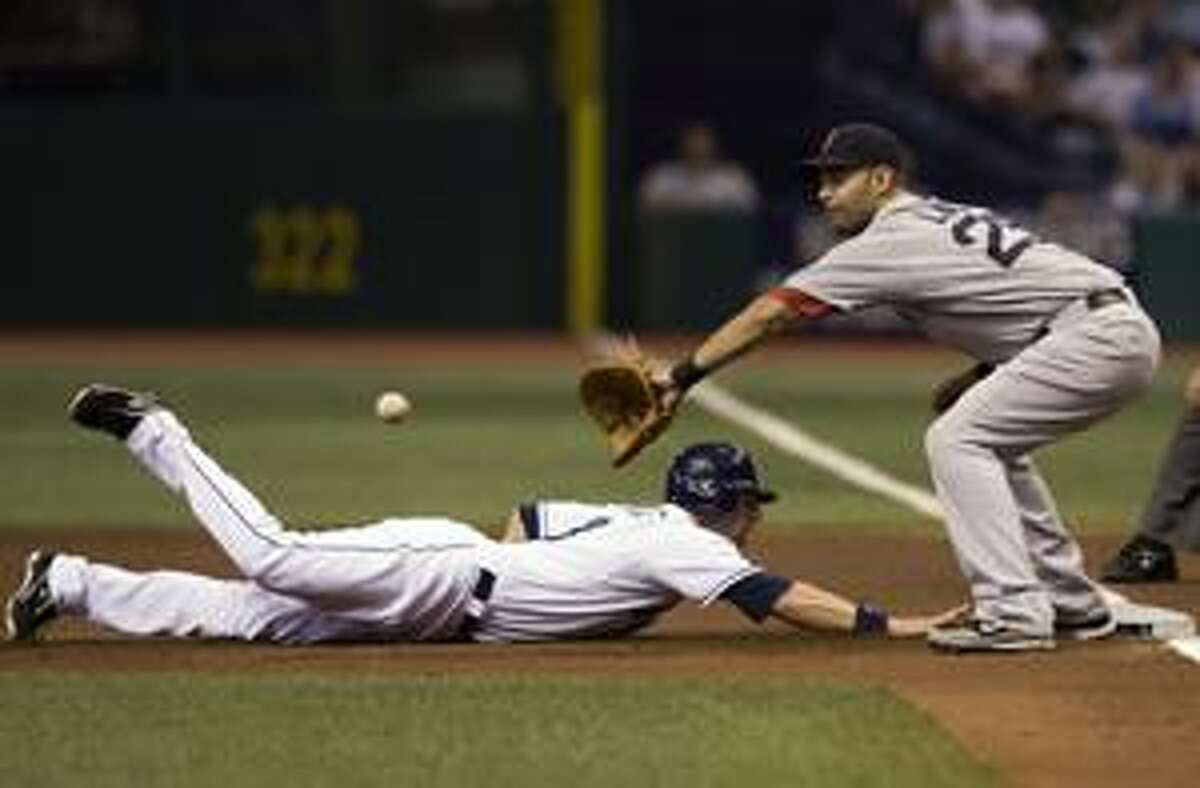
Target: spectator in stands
{"points": [[699, 179], [986, 49], [1163, 148], [1097, 26], [1104, 91]]}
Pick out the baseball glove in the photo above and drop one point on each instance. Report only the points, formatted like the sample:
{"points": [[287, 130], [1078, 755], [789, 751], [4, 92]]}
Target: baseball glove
{"points": [[949, 391], [621, 397]]}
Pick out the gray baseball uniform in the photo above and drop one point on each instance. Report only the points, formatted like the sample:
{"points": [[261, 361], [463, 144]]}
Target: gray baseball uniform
{"points": [[1071, 344], [588, 571]]}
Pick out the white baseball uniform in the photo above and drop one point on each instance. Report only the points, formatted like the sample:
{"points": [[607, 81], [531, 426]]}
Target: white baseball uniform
{"points": [[1072, 346], [588, 571]]}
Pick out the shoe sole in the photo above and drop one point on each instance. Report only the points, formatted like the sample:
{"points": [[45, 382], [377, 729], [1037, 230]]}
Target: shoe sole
{"points": [[1109, 627], [1012, 646], [82, 394], [10, 621], [1126, 580], [150, 403]]}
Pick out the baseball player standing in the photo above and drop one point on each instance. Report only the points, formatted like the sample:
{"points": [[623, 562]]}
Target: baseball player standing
{"points": [[576, 570], [1172, 516], [1060, 344]]}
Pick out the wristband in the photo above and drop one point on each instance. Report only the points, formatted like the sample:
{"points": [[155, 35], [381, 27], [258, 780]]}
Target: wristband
{"points": [[869, 620], [687, 373]]}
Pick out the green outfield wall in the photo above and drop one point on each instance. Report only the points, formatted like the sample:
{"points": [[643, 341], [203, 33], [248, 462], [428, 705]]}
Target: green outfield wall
{"points": [[247, 213], [1168, 266], [694, 269], [251, 214]]}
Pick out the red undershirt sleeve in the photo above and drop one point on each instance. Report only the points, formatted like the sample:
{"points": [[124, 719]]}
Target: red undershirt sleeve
{"points": [[800, 303]]}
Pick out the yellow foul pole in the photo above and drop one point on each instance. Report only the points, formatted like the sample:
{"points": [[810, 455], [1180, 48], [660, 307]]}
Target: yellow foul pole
{"points": [[579, 41]]}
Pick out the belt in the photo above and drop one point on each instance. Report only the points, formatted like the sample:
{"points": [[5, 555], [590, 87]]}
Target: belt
{"points": [[480, 594], [1098, 299]]}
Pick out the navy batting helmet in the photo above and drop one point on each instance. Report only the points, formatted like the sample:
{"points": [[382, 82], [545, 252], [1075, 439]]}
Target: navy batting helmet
{"points": [[708, 477]]}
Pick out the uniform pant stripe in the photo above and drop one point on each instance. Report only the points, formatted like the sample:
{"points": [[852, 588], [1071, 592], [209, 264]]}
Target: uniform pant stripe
{"points": [[247, 524]]}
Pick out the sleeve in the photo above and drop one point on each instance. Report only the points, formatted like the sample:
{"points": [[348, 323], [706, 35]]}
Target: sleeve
{"points": [[857, 273], [698, 564], [756, 594], [530, 520]]}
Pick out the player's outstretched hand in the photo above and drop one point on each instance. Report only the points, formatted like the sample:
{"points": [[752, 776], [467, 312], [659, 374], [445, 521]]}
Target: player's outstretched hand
{"points": [[918, 626]]}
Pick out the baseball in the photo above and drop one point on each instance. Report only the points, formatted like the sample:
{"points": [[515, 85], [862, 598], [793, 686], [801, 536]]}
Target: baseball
{"points": [[392, 407]]}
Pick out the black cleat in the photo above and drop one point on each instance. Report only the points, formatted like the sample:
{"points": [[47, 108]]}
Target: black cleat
{"points": [[111, 409], [1142, 560], [32, 605], [1094, 627]]}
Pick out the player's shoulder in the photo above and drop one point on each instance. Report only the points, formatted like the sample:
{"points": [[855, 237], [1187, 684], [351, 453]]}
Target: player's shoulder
{"points": [[908, 217], [914, 212], [556, 518], [681, 525], [910, 225]]}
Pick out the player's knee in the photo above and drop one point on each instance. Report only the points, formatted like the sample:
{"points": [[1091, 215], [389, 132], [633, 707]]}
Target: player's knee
{"points": [[1191, 391], [940, 440], [266, 568]]}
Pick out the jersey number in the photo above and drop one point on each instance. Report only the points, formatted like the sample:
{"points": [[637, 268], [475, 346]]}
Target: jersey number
{"points": [[1005, 242]]}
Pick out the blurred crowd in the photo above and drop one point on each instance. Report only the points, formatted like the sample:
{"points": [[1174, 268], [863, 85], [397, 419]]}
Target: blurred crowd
{"points": [[1129, 68], [1073, 115]]}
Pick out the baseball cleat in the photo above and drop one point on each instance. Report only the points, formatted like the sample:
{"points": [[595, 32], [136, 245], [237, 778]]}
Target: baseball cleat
{"points": [[980, 636], [32, 605], [1094, 627], [1142, 560], [110, 409]]}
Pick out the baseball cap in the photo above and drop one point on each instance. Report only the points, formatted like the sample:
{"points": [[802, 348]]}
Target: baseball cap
{"points": [[855, 145]]}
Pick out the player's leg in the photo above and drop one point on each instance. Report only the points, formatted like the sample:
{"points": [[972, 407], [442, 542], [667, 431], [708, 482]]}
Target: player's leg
{"points": [[983, 521], [1171, 517], [177, 604], [1176, 491], [413, 533], [180, 604], [344, 572], [1058, 386], [347, 570], [1079, 610]]}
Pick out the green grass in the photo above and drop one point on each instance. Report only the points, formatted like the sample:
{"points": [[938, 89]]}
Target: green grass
{"points": [[114, 730], [485, 437], [879, 410]]}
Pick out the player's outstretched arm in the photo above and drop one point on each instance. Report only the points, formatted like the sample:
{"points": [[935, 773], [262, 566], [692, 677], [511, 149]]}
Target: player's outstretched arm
{"points": [[763, 316], [768, 314], [810, 607]]}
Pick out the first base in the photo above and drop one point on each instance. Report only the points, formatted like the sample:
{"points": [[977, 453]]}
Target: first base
{"points": [[1148, 621]]}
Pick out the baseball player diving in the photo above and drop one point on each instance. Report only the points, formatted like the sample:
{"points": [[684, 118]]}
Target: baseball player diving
{"points": [[1060, 343], [566, 569]]}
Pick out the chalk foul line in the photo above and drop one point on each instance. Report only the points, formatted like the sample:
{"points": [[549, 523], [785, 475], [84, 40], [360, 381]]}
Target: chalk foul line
{"points": [[792, 440]]}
